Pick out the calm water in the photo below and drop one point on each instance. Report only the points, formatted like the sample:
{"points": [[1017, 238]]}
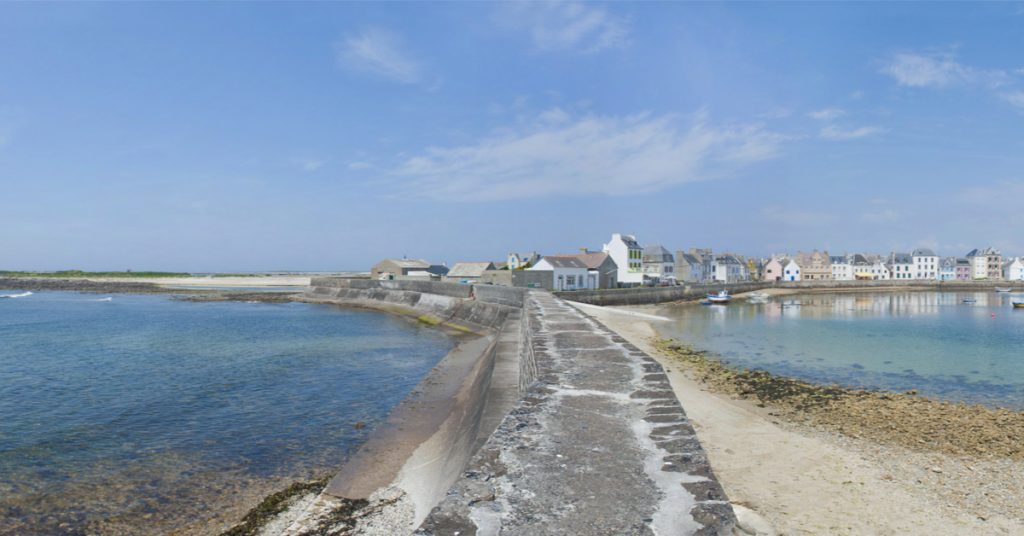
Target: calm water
{"points": [[141, 414], [929, 341]]}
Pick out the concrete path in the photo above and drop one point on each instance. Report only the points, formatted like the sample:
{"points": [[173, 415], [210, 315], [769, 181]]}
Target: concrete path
{"points": [[599, 445]]}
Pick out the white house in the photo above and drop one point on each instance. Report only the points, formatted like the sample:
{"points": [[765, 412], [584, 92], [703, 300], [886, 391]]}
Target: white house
{"points": [[926, 264], [791, 272], [842, 268], [1014, 269], [879, 270], [947, 269], [628, 256], [901, 266], [729, 269], [568, 273]]}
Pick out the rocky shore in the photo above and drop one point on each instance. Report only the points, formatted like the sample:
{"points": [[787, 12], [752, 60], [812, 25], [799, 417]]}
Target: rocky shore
{"points": [[83, 285], [904, 419]]}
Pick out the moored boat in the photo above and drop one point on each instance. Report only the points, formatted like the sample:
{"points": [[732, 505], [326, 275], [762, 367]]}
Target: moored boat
{"points": [[1018, 304], [1003, 289], [722, 297]]}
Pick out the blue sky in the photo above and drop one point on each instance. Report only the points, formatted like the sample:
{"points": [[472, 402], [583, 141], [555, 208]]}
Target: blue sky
{"points": [[321, 136]]}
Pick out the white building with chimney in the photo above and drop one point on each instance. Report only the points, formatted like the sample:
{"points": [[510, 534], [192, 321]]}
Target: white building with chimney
{"points": [[628, 256]]}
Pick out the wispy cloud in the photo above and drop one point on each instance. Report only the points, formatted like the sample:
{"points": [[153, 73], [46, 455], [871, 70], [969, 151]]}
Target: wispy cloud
{"points": [[937, 70], [381, 52], [827, 114], [567, 25], [590, 155], [833, 132], [308, 163], [1015, 98]]}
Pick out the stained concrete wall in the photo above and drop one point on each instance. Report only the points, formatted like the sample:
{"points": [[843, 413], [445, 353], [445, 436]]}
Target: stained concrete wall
{"points": [[539, 279]]}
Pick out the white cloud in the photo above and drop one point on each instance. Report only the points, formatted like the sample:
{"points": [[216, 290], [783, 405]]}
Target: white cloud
{"points": [[832, 132], [591, 155], [938, 70], [1015, 98], [359, 165], [567, 25], [309, 164], [827, 114], [381, 52], [885, 215]]}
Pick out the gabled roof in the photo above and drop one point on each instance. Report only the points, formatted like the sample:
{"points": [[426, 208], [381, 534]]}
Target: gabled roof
{"points": [[470, 269], [981, 252], [902, 258], [592, 259], [409, 263], [692, 260], [657, 254], [564, 261], [923, 252]]}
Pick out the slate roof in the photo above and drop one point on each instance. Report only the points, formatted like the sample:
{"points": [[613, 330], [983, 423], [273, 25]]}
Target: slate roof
{"points": [[593, 259], [657, 254], [923, 252], [902, 258]]}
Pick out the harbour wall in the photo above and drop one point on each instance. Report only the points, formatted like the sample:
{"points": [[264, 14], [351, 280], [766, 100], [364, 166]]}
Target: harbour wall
{"points": [[475, 438], [652, 295]]}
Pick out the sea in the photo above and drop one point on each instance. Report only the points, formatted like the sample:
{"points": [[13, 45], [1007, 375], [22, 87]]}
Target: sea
{"points": [[955, 346], [144, 414]]}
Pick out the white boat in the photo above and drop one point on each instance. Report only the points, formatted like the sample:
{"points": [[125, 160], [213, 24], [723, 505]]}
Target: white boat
{"points": [[722, 297], [1003, 289]]}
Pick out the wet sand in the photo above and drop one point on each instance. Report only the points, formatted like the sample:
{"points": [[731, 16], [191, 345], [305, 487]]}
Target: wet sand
{"points": [[805, 475]]}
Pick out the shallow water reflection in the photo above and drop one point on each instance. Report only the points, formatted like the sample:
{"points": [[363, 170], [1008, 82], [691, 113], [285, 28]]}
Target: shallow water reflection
{"points": [[953, 345]]}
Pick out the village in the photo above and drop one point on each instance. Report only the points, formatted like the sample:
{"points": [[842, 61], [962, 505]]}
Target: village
{"points": [[623, 262]]}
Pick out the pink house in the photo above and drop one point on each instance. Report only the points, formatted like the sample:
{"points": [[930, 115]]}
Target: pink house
{"points": [[773, 270]]}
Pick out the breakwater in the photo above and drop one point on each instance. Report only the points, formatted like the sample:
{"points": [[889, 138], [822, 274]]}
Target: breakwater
{"points": [[541, 409]]}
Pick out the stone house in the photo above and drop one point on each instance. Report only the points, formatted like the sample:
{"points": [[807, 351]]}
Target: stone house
{"points": [[815, 266], [407, 269], [467, 272], [567, 272], [658, 265], [986, 264]]}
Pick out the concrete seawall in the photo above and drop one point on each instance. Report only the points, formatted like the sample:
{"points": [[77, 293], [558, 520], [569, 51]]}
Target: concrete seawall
{"points": [[652, 295], [541, 421]]}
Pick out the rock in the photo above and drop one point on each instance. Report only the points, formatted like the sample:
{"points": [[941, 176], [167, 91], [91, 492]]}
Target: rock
{"points": [[750, 523]]}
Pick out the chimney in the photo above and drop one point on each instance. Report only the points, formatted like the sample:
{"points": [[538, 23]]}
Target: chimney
{"points": [[584, 250]]}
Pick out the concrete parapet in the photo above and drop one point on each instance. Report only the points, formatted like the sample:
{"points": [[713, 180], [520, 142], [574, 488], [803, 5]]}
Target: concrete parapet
{"points": [[649, 295]]}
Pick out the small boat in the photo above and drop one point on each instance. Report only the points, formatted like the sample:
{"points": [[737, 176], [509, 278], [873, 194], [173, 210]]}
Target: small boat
{"points": [[970, 300], [722, 297], [1003, 289], [1018, 304]]}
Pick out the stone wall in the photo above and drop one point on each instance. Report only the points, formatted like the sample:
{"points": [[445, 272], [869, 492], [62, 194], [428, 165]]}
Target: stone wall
{"points": [[648, 295], [539, 279]]}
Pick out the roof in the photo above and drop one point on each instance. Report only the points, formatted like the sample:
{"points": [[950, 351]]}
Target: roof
{"points": [[692, 260], [902, 258], [408, 263], [923, 252], [470, 269], [980, 252], [629, 240], [593, 259], [657, 254], [564, 261]]}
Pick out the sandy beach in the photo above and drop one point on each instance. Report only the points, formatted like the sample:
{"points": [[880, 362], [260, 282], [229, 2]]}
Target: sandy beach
{"points": [[787, 476]]}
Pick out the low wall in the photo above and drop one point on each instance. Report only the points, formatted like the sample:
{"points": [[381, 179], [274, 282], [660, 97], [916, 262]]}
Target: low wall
{"points": [[648, 295], [651, 295]]}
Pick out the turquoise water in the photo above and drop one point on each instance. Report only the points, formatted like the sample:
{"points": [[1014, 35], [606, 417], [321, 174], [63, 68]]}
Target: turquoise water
{"points": [[929, 341], [141, 414]]}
